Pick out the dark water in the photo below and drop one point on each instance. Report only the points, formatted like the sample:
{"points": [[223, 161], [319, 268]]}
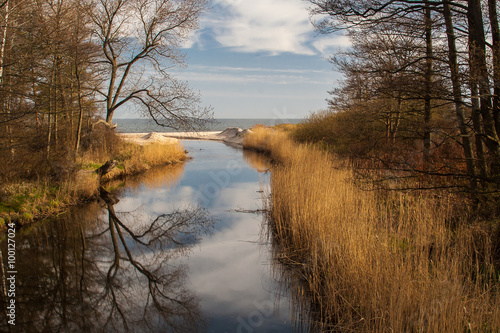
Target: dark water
{"points": [[172, 251], [146, 125]]}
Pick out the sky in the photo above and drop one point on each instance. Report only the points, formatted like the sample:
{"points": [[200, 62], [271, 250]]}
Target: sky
{"points": [[260, 59]]}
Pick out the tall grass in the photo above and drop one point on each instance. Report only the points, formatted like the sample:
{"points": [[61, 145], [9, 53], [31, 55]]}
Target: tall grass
{"points": [[134, 158], [378, 261], [75, 181]]}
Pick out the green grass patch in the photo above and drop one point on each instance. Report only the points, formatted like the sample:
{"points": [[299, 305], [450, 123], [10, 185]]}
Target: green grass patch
{"points": [[91, 166], [113, 188], [5, 208], [26, 217], [24, 202]]}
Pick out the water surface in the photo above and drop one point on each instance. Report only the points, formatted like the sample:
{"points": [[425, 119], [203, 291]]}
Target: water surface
{"points": [[177, 249]]}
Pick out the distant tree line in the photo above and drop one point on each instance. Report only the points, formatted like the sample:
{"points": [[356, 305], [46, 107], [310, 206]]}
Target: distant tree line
{"points": [[64, 63], [421, 94]]}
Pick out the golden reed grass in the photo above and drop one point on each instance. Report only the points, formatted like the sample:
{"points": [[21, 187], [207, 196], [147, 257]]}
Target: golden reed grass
{"points": [[136, 158], [373, 261]]}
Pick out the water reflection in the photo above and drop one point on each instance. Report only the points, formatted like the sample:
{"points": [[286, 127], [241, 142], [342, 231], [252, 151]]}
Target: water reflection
{"points": [[258, 161], [103, 272], [121, 264], [287, 272], [160, 177], [291, 278]]}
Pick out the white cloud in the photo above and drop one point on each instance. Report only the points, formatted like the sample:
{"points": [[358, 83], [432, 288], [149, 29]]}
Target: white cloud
{"points": [[276, 26], [255, 75], [251, 78], [253, 69], [327, 45], [192, 39]]}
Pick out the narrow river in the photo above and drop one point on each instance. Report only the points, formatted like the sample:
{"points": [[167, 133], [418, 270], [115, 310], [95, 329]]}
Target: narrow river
{"points": [[179, 248]]}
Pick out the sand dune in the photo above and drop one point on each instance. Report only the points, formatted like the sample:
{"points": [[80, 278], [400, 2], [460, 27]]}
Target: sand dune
{"points": [[231, 135]]}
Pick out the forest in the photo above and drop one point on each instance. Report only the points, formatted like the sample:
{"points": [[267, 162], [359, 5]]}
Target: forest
{"points": [[66, 67], [420, 97]]}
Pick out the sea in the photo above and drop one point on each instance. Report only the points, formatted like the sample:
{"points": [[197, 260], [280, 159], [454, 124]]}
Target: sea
{"points": [[142, 125]]}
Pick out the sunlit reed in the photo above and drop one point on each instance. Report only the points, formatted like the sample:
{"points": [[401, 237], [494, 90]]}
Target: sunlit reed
{"points": [[378, 261]]}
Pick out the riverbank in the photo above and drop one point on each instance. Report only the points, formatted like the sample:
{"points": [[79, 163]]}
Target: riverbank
{"points": [[377, 261], [78, 181]]}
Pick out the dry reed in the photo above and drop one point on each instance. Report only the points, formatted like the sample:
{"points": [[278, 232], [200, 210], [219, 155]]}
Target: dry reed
{"points": [[374, 261], [135, 158], [27, 201]]}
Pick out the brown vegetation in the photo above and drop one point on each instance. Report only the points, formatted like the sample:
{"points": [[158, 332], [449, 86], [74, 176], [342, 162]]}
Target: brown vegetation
{"points": [[419, 98], [378, 260], [65, 63], [69, 182], [134, 159]]}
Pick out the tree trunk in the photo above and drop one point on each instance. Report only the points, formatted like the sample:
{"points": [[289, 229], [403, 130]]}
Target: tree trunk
{"points": [[78, 81], [477, 45], [396, 120], [477, 123], [478, 139], [109, 98], [495, 33], [106, 167], [49, 131], [57, 111], [5, 99], [4, 41], [80, 109], [109, 117], [428, 83], [457, 96]]}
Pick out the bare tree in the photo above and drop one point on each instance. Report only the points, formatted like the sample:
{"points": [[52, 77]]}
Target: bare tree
{"points": [[495, 36], [480, 76], [140, 42], [454, 34], [457, 95]]}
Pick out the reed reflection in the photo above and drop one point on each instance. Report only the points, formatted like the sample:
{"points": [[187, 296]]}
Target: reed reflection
{"points": [[289, 272], [102, 271], [258, 161], [286, 267], [159, 177]]}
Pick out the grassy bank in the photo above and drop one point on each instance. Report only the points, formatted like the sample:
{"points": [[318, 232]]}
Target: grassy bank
{"points": [[378, 261], [25, 201]]}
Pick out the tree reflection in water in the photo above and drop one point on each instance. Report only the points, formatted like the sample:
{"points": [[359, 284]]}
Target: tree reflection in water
{"points": [[110, 273]]}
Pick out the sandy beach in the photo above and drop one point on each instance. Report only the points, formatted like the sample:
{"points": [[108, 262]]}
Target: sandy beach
{"points": [[232, 136]]}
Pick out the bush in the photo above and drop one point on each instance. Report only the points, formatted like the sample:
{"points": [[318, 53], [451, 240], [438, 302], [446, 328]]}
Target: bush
{"points": [[347, 134]]}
